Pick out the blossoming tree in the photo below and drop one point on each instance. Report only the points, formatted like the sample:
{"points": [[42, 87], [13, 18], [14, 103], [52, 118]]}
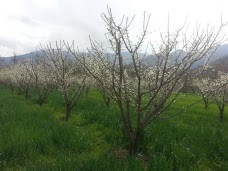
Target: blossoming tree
{"points": [[203, 88], [42, 79], [143, 92], [68, 74], [216, 88], [21, 78]]}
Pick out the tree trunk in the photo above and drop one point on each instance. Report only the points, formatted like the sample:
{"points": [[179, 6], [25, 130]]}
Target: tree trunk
{"points": [[41, 101], [107, 101], [134, 142], [26, 94], [20, 92], [106, 98], [68, 111], [87, 91], [221, 112], [12, 88], [205, 102]]}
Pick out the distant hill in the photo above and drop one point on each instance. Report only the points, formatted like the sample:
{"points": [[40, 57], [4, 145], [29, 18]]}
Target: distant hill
{"points": [[7, 61], [220, 53], [222, 60], [150, 60]]}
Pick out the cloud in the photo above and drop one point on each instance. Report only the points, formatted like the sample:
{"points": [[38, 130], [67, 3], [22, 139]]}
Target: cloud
{"points": [[25, 20], [9, 43], [26, 23], [8, 46], [46, 3]]}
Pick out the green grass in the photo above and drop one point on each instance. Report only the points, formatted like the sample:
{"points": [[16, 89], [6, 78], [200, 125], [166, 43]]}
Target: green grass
{"points": [[36, 138]]}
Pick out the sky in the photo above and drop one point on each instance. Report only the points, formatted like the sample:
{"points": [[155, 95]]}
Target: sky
{"points": [[25, 24]]}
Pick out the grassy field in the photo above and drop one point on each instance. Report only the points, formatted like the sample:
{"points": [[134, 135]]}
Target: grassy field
{"points": [[37, 138]]}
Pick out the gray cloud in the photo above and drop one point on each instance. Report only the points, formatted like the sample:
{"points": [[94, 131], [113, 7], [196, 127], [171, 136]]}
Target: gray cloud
{"points": [[75, 20], [66, 20]]}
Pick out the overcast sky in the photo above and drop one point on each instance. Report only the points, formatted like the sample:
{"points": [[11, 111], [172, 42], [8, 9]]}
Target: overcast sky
{"points": [[28, 23]]}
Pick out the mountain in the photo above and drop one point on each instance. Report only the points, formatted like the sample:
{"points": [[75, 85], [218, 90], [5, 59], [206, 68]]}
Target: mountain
{"points": [[7, 61], [150, 60], [223, 60], [127, 59], [221, 52], [220, 57]]}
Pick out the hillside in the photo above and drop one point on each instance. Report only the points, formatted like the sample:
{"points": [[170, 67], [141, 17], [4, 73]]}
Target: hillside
{"points": [[221, 52], [7, 61]]}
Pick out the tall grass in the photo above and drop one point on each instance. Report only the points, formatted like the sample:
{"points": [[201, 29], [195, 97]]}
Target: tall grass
{"points": [[36, 138]]}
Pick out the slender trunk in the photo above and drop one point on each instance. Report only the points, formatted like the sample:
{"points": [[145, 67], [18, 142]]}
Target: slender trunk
{"points": [[221, 106], [41, 100], [221, 112], [205, 99], [68, 111], [134, 142], [20, 92], [105, 97], [12, 88], [87, 91], [26, 94], [107, 101]]}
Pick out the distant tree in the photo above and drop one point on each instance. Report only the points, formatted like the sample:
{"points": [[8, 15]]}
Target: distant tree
{"points": [[69, 76], [42, 79], [220, 94], [217, 89], [21, 78], [7, 78], [103, 89], [14, 59], [106, 96], [202, 86]]}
